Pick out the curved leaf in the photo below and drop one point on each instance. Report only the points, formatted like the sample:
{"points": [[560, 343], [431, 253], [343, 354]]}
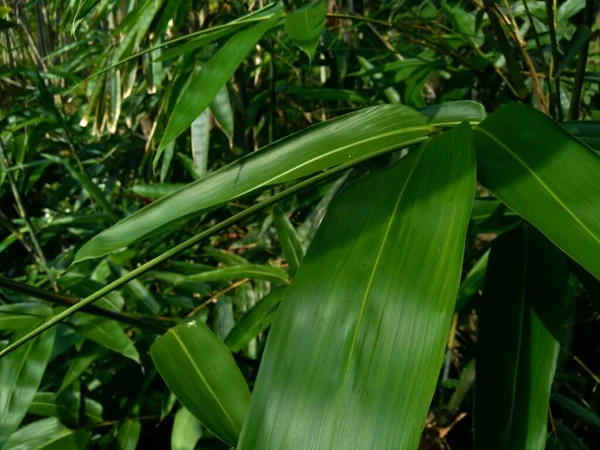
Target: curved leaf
{"points": [[369, 131], [546, 176], [355, 350], [129, 434], [20, 375], [107, 333], [47, 434], [186, 431], [289, 240], [23, 315], [201, 372], [65, 406], [520, 324]]}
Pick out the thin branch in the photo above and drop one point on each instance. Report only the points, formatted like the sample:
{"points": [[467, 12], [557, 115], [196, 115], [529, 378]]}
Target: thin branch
{"points": [[192, 242]]}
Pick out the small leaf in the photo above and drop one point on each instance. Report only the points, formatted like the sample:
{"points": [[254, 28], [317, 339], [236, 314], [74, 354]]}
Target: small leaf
{"points": [[186, 431], [472, 282], [201, 141], [129, 434], [140, 293], [65, 406], [289, 241], [47, 434], [201, 372], [581, 37], [17, 316], [223, 112], [579, 411], [201, 91], [305, 26], [258, 319]]}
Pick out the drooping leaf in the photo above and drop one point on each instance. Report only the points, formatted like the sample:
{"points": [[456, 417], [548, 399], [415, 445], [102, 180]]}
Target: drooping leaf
{"points": [[520, 324], [20, 375], [371, 305], [186, 431], [201, 372], [587, 131], [107, 333], [472, 282], [47, 434], [252, 271], [136, 289], [453, 113], [254, 321], [319, 147], [85, 358], [200, 92], [582, 35], [546, 176], [289, 241], [305, 26]]}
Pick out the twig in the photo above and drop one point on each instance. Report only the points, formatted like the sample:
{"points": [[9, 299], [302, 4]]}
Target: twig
{"points": [[216, 296], [588, 19]]}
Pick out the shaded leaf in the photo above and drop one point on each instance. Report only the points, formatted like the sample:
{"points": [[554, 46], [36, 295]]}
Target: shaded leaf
{"points": [[305, 26], [107, 333], [289, 240], [578, 410], [186, 431], [47, 434], [65, 406], [129, 434]]}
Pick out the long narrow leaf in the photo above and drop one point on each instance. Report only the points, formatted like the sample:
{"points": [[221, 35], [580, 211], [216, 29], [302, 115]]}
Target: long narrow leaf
{"points": [[355, 350], [370, 131]]}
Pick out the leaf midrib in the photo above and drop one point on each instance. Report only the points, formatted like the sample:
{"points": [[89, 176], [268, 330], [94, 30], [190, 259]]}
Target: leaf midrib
{"points": [[367, 292], [540, 181]]}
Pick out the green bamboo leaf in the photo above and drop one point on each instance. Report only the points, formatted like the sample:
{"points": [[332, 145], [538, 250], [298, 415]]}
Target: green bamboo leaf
{"points": [[305, 26], [190, 166], [377, 79], [568, 438], [129, 77], [201, 372], [587, 131], [224, 257], [520, 324], [86, 357], [201, 91], [65, 406], [319, 147], [81, 286], [129, 434], [252, 271], [201, 141], [140, 293], [289, 240], [48, 434], [343, 95], [472, 282], [582, 35], [453, 113], [23, 315], [20, 375], [107, 333], [258, 319], [186, 431], [357, 344], [545, 175], [113, 83], [156, 190], [579, 411], [168, 153], [223, 112], [20, 147]]}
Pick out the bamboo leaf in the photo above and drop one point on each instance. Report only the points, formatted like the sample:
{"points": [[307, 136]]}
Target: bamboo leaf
{"points": [[65, 406], [129, 434], [472, 282], [156, 190], [140, 293], [200, 141], [339, 140], [546, 176], [567, 437], [107, 333], [20, 375], [452, 113], [520, 324], [223, 112], [186, 431], [254, 321], [289, 241], [360, 317], [305, 26], [17, 316], [47, 434], [579, 411], [201, 372], [205, 86]]}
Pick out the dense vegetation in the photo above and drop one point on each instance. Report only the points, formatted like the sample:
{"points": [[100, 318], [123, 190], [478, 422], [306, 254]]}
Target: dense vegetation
{"points": [[166, 164]]}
